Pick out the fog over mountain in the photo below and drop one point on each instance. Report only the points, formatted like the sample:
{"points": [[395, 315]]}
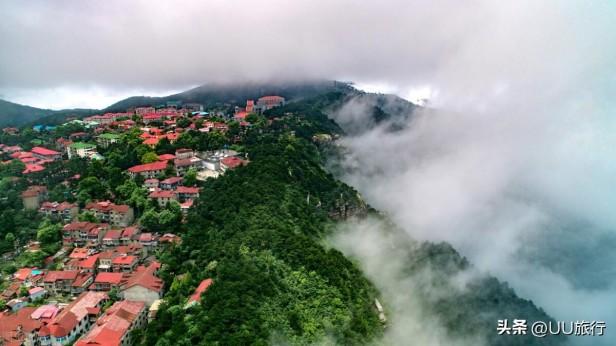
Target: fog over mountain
{"points": [[513, 160]]}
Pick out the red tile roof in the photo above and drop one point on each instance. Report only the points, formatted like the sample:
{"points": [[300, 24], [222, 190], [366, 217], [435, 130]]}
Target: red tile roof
{"points": [[124, 260], [11, 322], [106, 206], [162, 194], [144, 277], [44, 151], [165, 157], [203, 286], [22, 274], [172, 180], [154, 166], [187, 189], [33, 168], [112, 234], [111, 278], [55, 275], [232, 162]]}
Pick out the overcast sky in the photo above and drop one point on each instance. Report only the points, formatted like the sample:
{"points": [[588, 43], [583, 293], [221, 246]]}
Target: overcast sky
{"points": [[87, 53]]}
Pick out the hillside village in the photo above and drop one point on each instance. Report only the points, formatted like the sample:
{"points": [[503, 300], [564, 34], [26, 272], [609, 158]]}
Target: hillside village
{"points": [[89, 274]]}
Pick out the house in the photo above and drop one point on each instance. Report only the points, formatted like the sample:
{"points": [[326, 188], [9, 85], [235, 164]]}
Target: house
{"points": [[171, 183], [169, 238], [46, 154], [36, 293], [268, 102], [73, 320], [33, 196], [59, 281], [143, 285], [166, 157], [107, 139], [81, 149], [82, 282], [45, 313], [163, 197], [106, 281], [183, 165], [83, 233], [151, 183], [60, 211], [79, 253], [89, 264], [18, 328], [112, 238], [231, 162], [187, 192], [117, 215], [144, 110], [105, 260], [127, 235], [124, 263], [63, 143], [114, 326], [195, 298], [148, 240], [32, 168], [148, 170], [184, 153], [17, 304]]}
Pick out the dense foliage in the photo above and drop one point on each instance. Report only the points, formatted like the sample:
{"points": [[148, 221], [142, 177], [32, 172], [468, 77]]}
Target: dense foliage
{"points": [[257, 233]]}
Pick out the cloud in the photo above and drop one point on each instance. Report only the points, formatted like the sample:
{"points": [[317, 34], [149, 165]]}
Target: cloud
{"points": [[125, 45], [516, 166]]}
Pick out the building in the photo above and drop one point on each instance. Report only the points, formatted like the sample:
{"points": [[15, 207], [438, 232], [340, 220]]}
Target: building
{"points": [[19, 328], [148, 170], [73, 320], [82, 282], [107, 139], [83, 233], [59, 281], [163, 197], [114, 326], [33, 196], [268, 102], [112, 238], [183, 165], [231, 162], [36, 293], [106, 281], [46, 154], [187, 192], [195, 298], [128, 234], [184, 153], [124, 264], [60, 211], [171, 183], [81, 149], [151, 183], [143, 285], [115, 214]]}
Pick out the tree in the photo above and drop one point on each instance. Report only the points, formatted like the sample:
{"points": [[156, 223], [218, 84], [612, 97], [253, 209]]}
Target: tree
{"points": [[48, 233], [190, 178], [149, 157], [23, 291]]}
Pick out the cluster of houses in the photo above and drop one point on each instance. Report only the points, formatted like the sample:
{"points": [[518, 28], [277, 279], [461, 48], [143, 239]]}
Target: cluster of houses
{"points": [[105, 282]]}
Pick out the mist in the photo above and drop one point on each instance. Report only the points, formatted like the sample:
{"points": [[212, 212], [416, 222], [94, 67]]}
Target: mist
{"points": [[512, 161]]}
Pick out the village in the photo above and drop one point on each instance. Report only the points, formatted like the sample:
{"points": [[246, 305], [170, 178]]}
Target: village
{"points": [[103, 282]]}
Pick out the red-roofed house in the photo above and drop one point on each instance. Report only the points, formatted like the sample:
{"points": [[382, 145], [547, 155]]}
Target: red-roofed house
{"points": [[60, 211], [124, 264], [163, 197], [171, 183], [187, 192], [82, 282], [143, 285], [195, 298], [115, 214], [112, 238], [46, 154], [59, 281], [231, 162], [73, 320], [148, 170], [32, 168], [18, 328], [166, 157], [113, 328], [106, 281], [127, 235]]}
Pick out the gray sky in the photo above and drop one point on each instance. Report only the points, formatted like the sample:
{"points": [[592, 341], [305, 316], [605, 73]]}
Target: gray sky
{"points": [[80, 53]]}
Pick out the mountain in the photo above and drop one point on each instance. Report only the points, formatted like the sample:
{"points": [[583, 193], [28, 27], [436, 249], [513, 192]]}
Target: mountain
{"points": [[14, 114], [227, 94]]}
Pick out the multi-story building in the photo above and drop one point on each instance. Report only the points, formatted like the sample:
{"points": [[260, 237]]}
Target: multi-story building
{"points": [[33, 196], [60, 211], [114, 326], [117, 215], [46, 154], [81, 149], [148, 170]]}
